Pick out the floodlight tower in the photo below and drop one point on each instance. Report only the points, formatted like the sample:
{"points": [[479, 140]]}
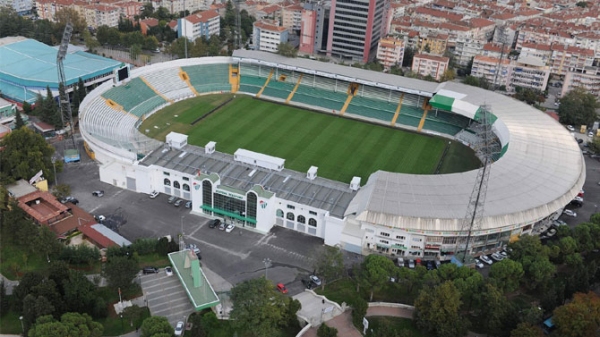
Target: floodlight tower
{"points": [[484, 149], [65, 103], [237, 39]]}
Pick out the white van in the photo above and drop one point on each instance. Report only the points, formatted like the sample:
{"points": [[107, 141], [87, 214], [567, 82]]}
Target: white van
{"points": [[400, 262]]}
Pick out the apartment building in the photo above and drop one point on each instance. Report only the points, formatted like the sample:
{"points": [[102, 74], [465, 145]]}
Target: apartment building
{"points": [[390, 52], [434, 43], [355, 28], [267, 35], [465, 50], [527, 72], [541, 51], [430, 65], [20, 6], [589, 80], [292, 17], [492, 70], [204, 24], [567, 58], [178, 6], [495, 50]]}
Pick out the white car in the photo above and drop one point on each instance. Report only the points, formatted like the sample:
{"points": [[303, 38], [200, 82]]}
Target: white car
{"points": [[478, 264], [497, 257], [486, 259], [570, 213], [179, 329], [570, 128], [580, 199], [411, 264], [591, 134], [229, 228], [169, 271], [315, 279], [153, 194]]}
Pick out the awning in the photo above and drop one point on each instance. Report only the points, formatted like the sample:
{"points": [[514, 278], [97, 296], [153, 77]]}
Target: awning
{"points": [[229, 214], [397, 246]]}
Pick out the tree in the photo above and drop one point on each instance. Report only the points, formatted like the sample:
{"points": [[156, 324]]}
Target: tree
{"points": [[287, 50], [120, 272], [90, 42], [437, 311], [80, 293], [448, 75], [471, 80], [578, 107], [375, 272], [71, 324], [328, 263], [582, 4], [133, 314], [326, 331], [19, 123], [508, 274], [580, 317], [135, 51], [25, 154], [46, 242], [527, 330], [493, 310], [156, 325], [409, 53], [257, 307], [4, 300], [28, 281], [537, 269]]}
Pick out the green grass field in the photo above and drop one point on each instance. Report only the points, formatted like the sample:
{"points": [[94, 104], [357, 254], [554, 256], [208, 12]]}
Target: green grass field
{"points": [[340, 147]]}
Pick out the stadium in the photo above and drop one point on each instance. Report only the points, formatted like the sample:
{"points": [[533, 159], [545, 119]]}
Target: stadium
{"points": [[29, 66], [537, 170]]}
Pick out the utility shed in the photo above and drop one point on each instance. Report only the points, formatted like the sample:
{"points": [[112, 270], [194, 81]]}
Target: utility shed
{"points": [[259, 159], [177, 140]]}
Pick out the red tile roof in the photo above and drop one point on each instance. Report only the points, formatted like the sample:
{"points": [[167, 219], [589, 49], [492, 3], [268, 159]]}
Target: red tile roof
{"points": [[43, 207], [96, 237], [202, 16], [432, 57]]}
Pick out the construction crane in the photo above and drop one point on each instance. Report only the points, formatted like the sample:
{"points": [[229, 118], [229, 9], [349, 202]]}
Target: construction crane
{"points": [[71, 153]]}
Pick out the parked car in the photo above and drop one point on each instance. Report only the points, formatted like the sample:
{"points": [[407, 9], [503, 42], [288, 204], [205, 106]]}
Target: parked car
{"points": [[281, 288], [150, 270], [229, 228], [171, 199], [497, 257], [100, 218], [307, 283], [479, 264], [179, 328], [486, 259], [98, 193], [578, 199], [70, 199], [153, 194], [188, 204], [551, 232], [222, 227], [591, 134], [169, 271], [570, 128], [569, 212], [400, 262], [315, 279], [430, 265], [559, 223], [178, 202], [411, 264], [504, 254], [576, 203], [437, 264], [214, 223]]}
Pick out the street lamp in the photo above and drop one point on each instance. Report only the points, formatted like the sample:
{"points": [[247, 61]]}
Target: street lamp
{"points": [[53, 159], [267, 263], [22, 327]]}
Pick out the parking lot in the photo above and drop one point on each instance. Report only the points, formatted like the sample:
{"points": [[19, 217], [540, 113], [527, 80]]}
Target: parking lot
{"points": [[235, 256], [166, 296]]}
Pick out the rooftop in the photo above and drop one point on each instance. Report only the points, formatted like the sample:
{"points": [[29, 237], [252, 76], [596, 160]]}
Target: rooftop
{"points": [[187, 267]]}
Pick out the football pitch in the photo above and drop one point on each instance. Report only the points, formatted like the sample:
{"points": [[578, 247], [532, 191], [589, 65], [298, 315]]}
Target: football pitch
{"points": [[340, 147]]}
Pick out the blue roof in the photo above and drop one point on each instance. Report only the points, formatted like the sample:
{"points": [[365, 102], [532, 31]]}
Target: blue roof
{"points": [[32, 64], [17, 92]]}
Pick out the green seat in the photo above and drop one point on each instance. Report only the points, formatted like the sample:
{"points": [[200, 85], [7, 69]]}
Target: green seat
{"points": [[209, 77], [131, 94]]}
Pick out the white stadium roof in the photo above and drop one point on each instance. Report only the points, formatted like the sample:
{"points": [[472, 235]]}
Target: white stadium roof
{"points": [[541, 172]]}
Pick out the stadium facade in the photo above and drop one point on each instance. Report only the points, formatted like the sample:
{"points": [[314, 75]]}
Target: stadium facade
{"points": [[538, 169], [28, 66]]}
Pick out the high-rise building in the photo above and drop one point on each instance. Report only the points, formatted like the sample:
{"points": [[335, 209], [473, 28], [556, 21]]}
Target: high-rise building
{"points": [[314, 27], [356, 26]]}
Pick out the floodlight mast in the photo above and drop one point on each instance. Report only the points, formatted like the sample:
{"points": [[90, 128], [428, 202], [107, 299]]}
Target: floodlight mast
{"points": [[65, 103]]}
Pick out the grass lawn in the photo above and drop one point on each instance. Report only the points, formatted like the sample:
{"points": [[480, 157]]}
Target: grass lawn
{"points": [[340, 147], [459, 159], [153, 260], [341, 290], [378, 324], [16, 261], [10, 324]]}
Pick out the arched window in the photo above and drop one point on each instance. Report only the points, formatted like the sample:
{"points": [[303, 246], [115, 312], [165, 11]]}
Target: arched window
{"points": [[176, 184], [312, 222], [186, 187], [290, 216], [279, 213], [167, 182], [301, 219]]}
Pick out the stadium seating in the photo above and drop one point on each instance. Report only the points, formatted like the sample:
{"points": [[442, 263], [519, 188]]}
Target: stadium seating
{"points": [[251, 84], [441, 127], [148, 106], [372, 108], [207, 78], [168, 83], [131, 94], [321, 92], [278, 89]]}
